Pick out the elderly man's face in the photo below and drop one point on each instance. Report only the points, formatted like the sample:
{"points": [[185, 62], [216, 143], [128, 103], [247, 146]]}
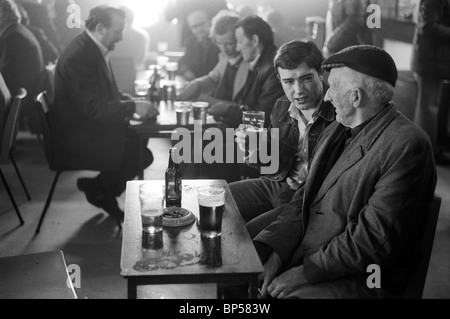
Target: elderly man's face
{"points": [[227, 44], [302, 86], [339, 94], [110, 36], [246, 46]]}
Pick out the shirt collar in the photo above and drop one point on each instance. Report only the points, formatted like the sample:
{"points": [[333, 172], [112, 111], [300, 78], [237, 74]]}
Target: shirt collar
{"points": [[234, 61], [102, 48], [252, 65]]}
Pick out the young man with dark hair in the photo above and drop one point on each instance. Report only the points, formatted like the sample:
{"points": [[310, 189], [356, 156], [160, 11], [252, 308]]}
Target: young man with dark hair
{"points": [[300, 116]]}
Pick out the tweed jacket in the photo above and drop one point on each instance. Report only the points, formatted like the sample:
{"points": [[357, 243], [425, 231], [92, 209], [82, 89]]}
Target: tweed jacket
{"points": [[89, 115], [369, 209]]}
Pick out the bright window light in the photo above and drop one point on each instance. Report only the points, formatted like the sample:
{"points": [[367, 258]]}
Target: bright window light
{"points": [[146, 12]]}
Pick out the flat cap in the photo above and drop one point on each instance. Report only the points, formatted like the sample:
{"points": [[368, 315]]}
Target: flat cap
{"points": [[366, 59]]}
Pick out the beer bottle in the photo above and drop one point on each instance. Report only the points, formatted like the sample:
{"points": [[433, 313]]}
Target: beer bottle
{"points": [[154, 91], [173, 181]]}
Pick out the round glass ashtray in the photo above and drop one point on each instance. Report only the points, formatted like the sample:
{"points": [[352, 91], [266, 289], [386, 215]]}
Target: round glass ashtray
{"points": [[177, 216]]}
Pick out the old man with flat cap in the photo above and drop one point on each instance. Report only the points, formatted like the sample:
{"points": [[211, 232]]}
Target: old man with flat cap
{"points": [[364, 203]]}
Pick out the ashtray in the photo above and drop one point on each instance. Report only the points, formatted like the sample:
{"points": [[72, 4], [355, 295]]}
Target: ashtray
{"points": [[177, 216]]}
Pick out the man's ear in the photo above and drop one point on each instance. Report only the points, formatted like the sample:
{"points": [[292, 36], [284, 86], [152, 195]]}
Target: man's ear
{"points": [[356, 96], [255, 40], [100, 29]]}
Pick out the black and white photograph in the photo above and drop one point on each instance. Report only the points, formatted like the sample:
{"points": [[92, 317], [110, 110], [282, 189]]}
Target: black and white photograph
{"points": [[225, 155]]}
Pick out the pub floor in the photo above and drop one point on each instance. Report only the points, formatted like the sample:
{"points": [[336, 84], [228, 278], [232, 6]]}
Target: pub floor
{"points": [[90, 239]]}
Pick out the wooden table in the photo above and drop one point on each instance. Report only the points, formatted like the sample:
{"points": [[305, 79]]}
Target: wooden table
{"points": [[184, 257], [163, 126]]}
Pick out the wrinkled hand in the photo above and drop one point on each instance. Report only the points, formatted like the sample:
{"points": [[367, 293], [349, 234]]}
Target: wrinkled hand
{"points": [[286, 283], [271, 269], [146, 110]]}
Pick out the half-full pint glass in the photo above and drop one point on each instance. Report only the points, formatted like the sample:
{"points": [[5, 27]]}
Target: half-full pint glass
{"points": [[152, 210], [211, 201]]}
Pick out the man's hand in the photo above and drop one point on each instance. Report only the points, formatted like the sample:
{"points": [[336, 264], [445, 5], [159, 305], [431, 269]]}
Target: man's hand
{"points": [[189, 93], [189, 75], [286, 283], [146, 110], [218, 110], [271, 269]]}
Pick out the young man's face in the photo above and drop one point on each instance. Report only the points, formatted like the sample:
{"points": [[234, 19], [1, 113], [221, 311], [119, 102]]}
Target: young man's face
{"points": [[227, 44], [302, 86]]}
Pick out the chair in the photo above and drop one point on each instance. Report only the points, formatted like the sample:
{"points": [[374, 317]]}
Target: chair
{"points": [[36, 276], [43, 107], [8, 138], [415, 287]]}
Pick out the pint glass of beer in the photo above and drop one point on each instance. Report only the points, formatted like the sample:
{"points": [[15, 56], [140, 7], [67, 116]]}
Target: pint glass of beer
{"points": [[253, 125], [211, 201]]}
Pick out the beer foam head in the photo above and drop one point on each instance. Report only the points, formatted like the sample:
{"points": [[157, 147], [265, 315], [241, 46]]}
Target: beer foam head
{"points": [[200, 104], [211, 196]]}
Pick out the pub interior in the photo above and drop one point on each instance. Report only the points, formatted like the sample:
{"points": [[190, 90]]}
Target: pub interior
{"points": [[91, 240]]}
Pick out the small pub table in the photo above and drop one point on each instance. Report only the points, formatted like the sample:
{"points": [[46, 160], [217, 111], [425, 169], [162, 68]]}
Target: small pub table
{"points": [[181, 255]]}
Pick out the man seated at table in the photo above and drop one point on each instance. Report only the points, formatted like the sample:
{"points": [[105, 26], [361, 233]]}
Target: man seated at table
{"points": [[299, 116], [262, 88], [201, 55], [90, 116], [229, 75], [259, 93], [364, 202]]}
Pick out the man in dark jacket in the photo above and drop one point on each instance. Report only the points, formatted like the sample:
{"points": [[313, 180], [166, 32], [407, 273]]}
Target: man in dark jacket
{"points": [[262, 88], [21, 61], [90, 116], [346, 25], [299, 116], [201, 54], [431, 63], [364, 203]]}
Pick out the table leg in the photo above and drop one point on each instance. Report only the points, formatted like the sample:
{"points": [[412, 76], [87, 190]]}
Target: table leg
{"points": [[141, 157], [253, 288], [132, 289]]}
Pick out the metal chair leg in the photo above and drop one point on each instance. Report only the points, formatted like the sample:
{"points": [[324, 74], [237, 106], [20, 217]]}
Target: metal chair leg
{"points": [[20, 176], [11, 198], [47, 203]]}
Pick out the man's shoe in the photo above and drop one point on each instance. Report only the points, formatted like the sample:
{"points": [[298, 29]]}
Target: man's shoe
{"points": [[99, 197], [91, 189]]}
